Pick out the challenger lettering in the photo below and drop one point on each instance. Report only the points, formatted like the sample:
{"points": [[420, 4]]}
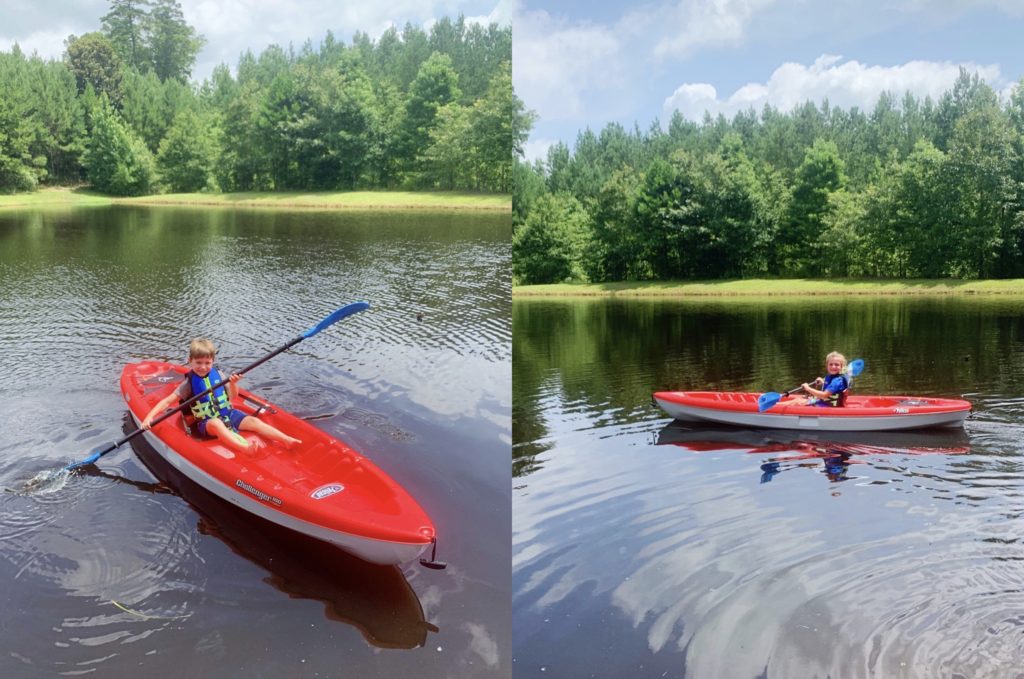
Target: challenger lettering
{"points": [[257, 492]]}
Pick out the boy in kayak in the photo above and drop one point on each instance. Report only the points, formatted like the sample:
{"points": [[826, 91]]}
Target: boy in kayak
{"points": [[829, 390], [214, 415]]}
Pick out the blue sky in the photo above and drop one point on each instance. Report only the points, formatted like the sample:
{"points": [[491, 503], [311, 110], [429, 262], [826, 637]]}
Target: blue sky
{"points": [[585, 64], [232, 26]]}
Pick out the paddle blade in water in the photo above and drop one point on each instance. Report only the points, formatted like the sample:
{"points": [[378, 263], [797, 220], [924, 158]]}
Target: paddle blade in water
{"points": [[347, 310], [767, 400], [47, 481], [95, 455]]}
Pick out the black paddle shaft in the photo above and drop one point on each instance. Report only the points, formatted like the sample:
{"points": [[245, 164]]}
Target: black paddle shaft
{"points": [[184, 404]]}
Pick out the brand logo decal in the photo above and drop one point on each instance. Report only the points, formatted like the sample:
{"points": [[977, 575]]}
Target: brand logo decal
{"points": [[326, 491], [257, 492]]}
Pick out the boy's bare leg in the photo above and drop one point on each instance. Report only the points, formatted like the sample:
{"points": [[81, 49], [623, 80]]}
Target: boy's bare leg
{"points": [[266, 431], [225, 435]]}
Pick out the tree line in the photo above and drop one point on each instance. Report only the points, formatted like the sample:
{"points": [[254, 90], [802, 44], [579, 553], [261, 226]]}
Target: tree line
{"points": [[912, 189], [413, 109]]}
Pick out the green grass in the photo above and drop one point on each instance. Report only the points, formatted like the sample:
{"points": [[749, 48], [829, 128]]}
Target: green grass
{"points": [[765, 287], [57, 197], [334, 200]]}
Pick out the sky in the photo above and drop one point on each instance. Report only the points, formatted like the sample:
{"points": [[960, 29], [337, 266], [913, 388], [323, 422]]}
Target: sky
{"points": [[584, 64], [233, 26]]}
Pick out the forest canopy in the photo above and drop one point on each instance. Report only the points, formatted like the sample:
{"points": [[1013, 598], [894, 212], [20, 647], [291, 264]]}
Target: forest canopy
{"points": [[412, 109], [911, 189]]}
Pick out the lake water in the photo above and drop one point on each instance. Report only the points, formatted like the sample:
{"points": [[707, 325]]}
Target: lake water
{"points": [[646, 549], [124, 569]]}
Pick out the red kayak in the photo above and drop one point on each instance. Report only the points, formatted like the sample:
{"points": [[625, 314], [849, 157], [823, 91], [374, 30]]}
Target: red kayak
{"points": [[321, 487], [861, 413]]}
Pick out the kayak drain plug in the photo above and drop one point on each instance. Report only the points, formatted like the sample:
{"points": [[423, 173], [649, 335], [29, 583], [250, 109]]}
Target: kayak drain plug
{"points": [[433, 562]]}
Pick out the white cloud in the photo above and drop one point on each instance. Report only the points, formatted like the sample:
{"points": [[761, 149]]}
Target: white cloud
{"points": [[955, 7], [556, 63], [536, 149], [844, 84], [703, 23], [501, 14], [482, 644], [48, 43]]}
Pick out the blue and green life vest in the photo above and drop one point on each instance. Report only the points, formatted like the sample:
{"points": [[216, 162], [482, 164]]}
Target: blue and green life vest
{"points": [[210, 406]]}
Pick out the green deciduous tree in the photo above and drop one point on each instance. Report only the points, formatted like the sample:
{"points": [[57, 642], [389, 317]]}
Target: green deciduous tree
{"points": [[16, 167], [820, 174], [549, 247], [173, 44], [95, 62], [499, 123], [58, 120], [187, 154], [117, 161], [446, 162], [435, 85], [126, 25]]}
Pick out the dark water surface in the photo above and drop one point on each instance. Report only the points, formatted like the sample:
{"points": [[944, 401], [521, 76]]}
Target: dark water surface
{"points": [[646, 549], [125, 569]]}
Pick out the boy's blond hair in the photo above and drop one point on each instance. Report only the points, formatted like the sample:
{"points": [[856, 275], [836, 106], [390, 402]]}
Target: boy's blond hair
{"points": [[201, 348], [836, 354]]}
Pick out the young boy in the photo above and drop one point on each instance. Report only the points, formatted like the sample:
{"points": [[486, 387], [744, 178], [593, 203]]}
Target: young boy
{"points": [[829, 390], [214, 415]]}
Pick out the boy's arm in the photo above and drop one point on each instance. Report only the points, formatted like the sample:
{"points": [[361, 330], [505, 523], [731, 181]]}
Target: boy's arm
{"points": [[233, 386], [160, 407], [814, 392]]}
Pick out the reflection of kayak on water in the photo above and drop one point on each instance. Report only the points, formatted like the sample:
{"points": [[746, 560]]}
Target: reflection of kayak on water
{"points": [[835, 450], [805, 444], [375, 599]]}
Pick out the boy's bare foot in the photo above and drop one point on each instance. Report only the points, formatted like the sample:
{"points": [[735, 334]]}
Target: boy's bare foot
{"points": [[291, 443]]}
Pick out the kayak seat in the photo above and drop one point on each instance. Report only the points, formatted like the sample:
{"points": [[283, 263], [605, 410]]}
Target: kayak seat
{"points": [[188, 423]]}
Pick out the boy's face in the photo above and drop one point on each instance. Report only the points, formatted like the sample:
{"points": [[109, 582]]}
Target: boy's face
{"points": [[201, 365], [834, 366]]}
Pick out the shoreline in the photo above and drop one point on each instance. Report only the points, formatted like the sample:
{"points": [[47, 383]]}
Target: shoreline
{"points": [[289, 200], [762, 288]]}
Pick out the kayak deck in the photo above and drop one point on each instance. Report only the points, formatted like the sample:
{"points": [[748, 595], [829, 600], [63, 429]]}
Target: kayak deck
{"points": [[861, 413], [320, 487]]}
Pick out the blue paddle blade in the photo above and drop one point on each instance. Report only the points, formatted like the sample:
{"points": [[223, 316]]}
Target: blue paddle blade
{"points": [[767, 400], [347, 310], [87, 461], [856, 366]]}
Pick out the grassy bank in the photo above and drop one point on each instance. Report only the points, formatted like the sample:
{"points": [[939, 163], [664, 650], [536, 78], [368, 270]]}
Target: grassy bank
{"points": [[334, 200], [789, 287]]}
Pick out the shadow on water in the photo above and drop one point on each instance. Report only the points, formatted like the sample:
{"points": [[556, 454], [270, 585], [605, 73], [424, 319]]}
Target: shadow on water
{"points": [[377, 600]]}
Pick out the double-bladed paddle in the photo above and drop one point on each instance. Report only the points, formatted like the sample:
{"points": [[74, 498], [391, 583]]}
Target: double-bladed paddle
{"points": [[341, 313], [770, 398]]}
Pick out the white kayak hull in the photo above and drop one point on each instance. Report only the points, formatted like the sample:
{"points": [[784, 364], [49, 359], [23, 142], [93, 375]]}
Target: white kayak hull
{"points": [[375, 551]]}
